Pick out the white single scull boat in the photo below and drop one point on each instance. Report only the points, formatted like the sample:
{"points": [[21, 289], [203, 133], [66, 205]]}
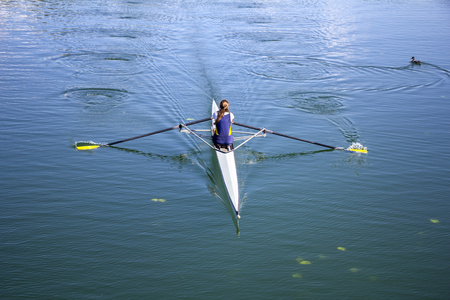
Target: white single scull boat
{"points": [[227, 165], [225, 157]]}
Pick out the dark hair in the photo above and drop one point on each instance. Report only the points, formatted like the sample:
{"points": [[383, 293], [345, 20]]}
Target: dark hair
{"points": [[223, 109]]}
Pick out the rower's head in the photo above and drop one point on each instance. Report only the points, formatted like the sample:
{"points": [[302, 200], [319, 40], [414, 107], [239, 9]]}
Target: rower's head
{"points": [[223, 109], [224, 104]]}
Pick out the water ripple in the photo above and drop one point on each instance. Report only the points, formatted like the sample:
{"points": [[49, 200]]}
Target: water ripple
{"points": [[383, 78], [347, 128], [107, 63], [316, 103], [97, 100], [288, 69]]}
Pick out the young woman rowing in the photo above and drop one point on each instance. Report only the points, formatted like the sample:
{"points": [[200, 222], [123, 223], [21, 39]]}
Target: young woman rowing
{"points": [[223, 137]]}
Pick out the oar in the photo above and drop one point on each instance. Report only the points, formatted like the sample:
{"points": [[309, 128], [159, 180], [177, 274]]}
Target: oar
{"points": [[299, 139], [89, 146]]}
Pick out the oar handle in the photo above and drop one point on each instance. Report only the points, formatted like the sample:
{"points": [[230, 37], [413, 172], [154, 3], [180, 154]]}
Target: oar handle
{"points": [[286, 136], [159, 131]]}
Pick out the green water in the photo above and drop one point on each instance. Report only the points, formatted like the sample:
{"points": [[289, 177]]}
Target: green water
{"points": [[149, 220]]}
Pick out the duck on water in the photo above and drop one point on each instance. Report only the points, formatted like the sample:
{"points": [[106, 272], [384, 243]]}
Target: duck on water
{"points": [[416, 62]]}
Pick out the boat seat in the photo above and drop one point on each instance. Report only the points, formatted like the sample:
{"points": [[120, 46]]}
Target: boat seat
{"points": [[225, 148]]}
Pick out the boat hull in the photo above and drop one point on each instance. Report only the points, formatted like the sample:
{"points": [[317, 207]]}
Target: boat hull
{"points": [[227, 165]]}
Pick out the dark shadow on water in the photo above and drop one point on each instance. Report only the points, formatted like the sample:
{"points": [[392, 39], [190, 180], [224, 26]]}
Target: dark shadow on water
{"points": [[260, 157], [180, 159]]}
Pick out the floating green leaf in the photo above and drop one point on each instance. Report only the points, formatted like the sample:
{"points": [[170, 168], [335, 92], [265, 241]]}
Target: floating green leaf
{"points": [[302, 261], [158, 200]]}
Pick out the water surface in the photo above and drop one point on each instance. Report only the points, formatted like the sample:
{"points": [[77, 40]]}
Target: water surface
{"points": [[149, 219]]}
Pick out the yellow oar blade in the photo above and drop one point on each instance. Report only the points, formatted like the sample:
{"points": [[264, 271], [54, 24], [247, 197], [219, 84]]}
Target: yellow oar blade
{"points": [[86, 145], [358, 150], [357, 147]]}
